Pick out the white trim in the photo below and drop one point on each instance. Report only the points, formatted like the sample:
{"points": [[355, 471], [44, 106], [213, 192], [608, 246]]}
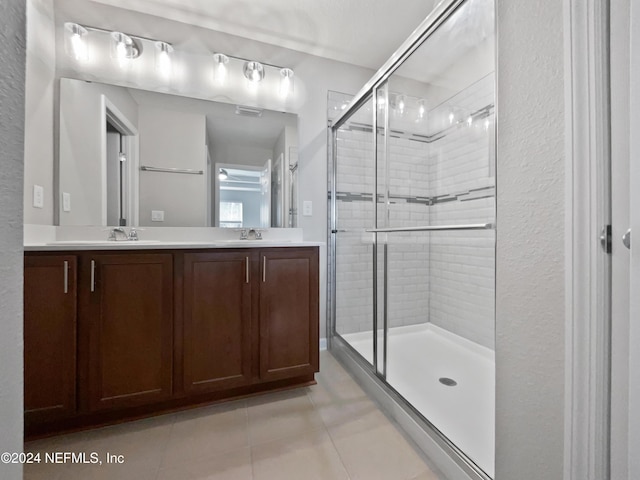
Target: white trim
{"points": [[587, 366], [633, 440], [131, 145]]}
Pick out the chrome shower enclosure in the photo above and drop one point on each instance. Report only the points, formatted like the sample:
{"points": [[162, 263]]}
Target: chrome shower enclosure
{"points": [[412, 223]]}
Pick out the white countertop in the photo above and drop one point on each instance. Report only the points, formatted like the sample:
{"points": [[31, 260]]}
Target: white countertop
{"points": [[43, 238], [158, 245]]}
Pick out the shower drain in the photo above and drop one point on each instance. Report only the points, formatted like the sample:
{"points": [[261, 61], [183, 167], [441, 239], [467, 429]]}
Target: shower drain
{"points": [[449, 382]]}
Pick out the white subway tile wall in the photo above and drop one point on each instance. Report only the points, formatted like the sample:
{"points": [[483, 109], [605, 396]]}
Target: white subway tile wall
{"points": [[446, 278]]}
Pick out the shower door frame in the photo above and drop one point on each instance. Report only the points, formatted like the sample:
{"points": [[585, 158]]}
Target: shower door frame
{"points": [[448, 457]]}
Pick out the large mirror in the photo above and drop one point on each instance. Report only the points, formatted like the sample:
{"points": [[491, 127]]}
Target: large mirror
{"points": [[139, 158]]}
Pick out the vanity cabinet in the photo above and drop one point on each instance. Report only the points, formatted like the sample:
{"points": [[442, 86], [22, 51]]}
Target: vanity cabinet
{"points": [[148, 331], [249, 317], [49, 337], [217, 320], [288, 313], [126, 328]]}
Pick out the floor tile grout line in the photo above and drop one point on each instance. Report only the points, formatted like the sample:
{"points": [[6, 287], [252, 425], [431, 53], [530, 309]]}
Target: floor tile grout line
{"points": [[333, 443], [249, 443], [166, 446]]}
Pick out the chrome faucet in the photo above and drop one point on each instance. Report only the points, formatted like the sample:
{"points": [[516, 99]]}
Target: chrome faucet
{"points": [[118, 232], [248, 233]]}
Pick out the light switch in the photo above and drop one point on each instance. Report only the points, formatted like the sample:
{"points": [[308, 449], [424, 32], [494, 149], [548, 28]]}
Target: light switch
{"points": [[38, 196], [157, 215], [307, 208], [66, 202]]}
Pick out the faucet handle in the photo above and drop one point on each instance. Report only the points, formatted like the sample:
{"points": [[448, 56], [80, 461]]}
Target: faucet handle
{"points": [[133, 234]]}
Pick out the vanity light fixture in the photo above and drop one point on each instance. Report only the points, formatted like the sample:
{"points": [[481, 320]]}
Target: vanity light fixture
{"points": [[125, 47], [163, 58], [286, 81], [253, 71], [75, 41], [220, 61]]}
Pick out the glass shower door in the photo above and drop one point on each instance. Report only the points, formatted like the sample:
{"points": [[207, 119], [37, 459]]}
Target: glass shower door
{"points": [[353, 215], [436, 211]]}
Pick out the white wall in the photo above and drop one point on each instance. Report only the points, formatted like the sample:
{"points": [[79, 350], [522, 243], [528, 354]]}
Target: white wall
{"points": [[530, 297], [226, 152], [81, 171], [12, 99], [172, 139], [39, 102]]}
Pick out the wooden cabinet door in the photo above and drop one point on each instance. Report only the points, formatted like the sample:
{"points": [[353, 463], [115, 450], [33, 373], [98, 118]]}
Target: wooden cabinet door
{"points": [[217, 320], [288, 312], [49, 337], [128, 315]]}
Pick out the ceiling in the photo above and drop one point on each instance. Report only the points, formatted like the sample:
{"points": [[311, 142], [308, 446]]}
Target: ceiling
{"points": [[359, 32]]}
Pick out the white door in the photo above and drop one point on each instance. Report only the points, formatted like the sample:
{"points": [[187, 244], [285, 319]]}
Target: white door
{"points": [[265, 190]]}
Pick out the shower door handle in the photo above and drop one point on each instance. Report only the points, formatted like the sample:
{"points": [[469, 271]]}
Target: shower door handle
{"points": [[433, 228], [605, 238]]}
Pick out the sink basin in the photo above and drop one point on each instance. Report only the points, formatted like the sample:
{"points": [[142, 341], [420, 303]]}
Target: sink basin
{"points": [[122, 243]]}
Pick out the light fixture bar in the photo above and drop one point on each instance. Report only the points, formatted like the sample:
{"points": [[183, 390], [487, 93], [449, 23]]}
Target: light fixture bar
{"points": [[137, 37]]}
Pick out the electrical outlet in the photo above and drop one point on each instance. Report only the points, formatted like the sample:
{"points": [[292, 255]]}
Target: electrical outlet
{"points": [[38, 196], [157, 215], [66, 202], [307, 208]]}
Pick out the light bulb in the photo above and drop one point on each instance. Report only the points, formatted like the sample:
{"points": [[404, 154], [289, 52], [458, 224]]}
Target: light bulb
{"points": [[123, 49], [286, 81], [421, 109], [487, 124], [452, 117], [400, 104], [79, 47], [220, 61], [75, 44], [253, 71], [469, 120], [163, 59]]}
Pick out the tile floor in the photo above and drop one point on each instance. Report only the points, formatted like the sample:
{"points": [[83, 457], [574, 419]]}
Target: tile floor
{"points": [[325, 432]]}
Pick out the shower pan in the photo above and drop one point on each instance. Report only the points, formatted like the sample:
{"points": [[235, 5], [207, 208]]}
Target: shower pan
{"points": [[412, 236]]}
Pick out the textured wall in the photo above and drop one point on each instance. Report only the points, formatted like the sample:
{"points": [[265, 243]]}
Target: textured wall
{"points": [[530, 310], [39, 130], [12, 78]]}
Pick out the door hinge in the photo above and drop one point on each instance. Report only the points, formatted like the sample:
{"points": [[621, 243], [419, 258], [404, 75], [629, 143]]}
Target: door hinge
{"points": [[605, 238]]}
